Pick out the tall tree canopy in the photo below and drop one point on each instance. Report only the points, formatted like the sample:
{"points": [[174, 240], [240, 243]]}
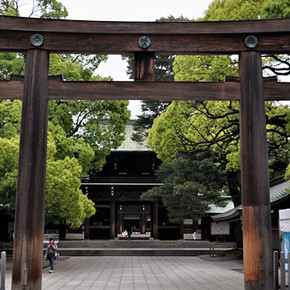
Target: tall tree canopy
{"points": [[80, 133], [64, 200], [195, 126], [220, 10]]}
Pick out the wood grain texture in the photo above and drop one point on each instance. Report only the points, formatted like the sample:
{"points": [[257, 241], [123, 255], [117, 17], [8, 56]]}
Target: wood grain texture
{"points": [[14, 41], [30, 196], [114, 27], [67, 36], [144, 66], [144, 90], [257, 248], [257, 225]]}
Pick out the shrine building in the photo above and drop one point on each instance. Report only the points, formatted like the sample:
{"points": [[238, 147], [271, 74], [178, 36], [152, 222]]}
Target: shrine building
{"points": [[116, 190]]}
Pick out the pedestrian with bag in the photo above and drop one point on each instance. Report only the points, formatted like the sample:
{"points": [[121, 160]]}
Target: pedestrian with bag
{"points": [[50, 254]]}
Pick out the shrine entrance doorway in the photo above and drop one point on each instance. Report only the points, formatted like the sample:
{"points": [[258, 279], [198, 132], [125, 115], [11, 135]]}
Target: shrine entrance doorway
{"points": [[134, 217]]}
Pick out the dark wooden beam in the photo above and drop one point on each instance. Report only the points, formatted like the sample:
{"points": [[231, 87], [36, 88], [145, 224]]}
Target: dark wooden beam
{"points": [[14, 41], [12, 89], [146, 90], [144, 66], [64, 36], [116, 27], [30, 197], [257, 226]]}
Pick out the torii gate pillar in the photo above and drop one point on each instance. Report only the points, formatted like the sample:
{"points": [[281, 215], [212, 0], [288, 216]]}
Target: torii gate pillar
{"points": [[257, 231], [30, 197]]}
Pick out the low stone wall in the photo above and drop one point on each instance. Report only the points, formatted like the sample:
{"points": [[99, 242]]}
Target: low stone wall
{"points": [[75, 236], [190, 237], [136, 236], [69, 236]]}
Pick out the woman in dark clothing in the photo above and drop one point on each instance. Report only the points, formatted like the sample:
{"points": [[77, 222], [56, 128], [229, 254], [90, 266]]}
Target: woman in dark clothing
{"points": [[50, 254]]}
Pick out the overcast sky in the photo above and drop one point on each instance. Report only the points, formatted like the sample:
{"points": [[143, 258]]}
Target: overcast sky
{"points": [[134, 10], [131, 10]]}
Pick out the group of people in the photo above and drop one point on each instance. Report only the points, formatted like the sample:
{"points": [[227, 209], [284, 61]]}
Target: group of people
{"points": [[51, 254], [127, 234]]}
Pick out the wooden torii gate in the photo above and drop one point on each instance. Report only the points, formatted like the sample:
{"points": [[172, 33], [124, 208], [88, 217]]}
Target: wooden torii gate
{"points": [[38, 38]]}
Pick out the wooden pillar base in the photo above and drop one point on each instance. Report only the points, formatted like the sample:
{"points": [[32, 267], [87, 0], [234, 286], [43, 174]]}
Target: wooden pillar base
{"points": [[257, 242]]}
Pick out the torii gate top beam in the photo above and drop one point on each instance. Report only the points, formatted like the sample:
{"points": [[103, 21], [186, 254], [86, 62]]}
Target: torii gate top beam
{"points": [[71, 36]]}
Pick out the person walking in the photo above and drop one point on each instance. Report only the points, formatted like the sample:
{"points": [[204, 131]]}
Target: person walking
{"points": [[50, 254]]}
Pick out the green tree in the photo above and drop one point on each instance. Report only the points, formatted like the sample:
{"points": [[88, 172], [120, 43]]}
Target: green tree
{"points": [[40, 8], [192, 126], [287, 177], [80, 134], [220, 10], [8, 172], [99, 123], [64, 200], [83, 130], [275, 9], [191, 182]]}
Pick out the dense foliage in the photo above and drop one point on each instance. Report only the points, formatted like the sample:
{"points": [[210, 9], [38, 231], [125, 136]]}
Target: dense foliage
{"points": [[191, 182], [80, 133], [193, 127]]}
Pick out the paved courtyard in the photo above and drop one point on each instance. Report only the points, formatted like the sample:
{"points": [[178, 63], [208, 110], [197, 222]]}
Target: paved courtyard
{"points": [[139, 272]]}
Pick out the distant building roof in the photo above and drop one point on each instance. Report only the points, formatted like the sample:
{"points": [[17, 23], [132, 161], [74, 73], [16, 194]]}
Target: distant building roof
{"points": [[215, 209], [130, 145], [277, 192], [229, 215]]}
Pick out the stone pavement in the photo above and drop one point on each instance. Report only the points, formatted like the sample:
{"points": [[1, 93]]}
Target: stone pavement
{"points": [[136, 272]]}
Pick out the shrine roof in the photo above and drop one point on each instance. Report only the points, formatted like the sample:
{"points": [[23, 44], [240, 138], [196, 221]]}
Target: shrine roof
{"points": [[129, 145]]}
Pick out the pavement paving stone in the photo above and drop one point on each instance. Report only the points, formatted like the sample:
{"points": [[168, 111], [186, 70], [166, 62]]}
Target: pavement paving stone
{"points": [[136, 272]]}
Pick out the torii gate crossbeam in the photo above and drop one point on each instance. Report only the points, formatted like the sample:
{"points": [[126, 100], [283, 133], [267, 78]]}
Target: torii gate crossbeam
{"points": [[38, 38]]}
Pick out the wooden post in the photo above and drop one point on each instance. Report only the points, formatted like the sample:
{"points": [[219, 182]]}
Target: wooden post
{"points": [[120, 217], [143, 220], [112, 218], [30, 198], [144, 66], [87, 229], [155, 219], [257, 229]]}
